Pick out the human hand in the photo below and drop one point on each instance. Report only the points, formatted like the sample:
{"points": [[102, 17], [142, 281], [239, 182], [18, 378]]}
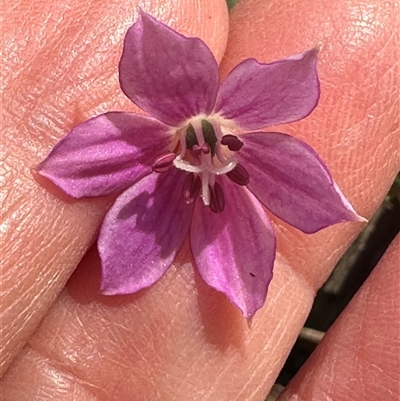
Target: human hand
{"points": [[180, 339]]}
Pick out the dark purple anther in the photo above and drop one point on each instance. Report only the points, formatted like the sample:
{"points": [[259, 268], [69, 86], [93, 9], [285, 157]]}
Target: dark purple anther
{"points": [[217, 198], [191, 188], [163, 163], [239, 175], [232, 141]]}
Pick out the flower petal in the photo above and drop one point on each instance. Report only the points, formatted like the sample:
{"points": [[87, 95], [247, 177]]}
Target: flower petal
{"points": [[291, 180], [168, 75], [142, 233], [235, 250], [105, 154], [257, 95]]}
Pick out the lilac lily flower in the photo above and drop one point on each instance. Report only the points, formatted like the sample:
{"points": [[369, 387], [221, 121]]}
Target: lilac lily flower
{"points": [[189, 169]]}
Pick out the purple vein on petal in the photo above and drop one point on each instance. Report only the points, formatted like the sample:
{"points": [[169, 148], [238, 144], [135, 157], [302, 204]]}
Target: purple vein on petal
{"points": [[142, 233], [256, 95], [105, 154], [291, 180], [166, 74], [235, 252]]}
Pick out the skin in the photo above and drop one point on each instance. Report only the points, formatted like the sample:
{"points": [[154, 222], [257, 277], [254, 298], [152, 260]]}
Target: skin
{"points": [[358, 358], [180, 339]]}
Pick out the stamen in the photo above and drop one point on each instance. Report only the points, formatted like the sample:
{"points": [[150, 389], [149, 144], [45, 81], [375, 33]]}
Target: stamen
{"points": [[217, 198], [191, 188], [239, 175], [187, 166], [228, 166], [163, 163], [232, 141]]}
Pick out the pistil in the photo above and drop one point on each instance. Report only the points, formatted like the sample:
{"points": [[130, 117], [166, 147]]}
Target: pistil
{"points": [[202, 154]]}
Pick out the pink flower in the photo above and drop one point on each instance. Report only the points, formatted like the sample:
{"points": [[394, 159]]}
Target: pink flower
{"points": [[188, 168]]}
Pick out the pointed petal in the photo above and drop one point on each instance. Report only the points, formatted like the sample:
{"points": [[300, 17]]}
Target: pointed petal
{"points": [[105, 154], [168, 75], [235, 250], [257, 95], [142, 233], [291, 180]]}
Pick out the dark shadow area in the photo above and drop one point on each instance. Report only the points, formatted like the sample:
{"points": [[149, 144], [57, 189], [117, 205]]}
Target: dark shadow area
{"points": [[356, 265], [164, 218]]}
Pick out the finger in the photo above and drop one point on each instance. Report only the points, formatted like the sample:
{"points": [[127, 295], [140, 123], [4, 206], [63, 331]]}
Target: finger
{"points": [[60, 68], [180, 339], [358, 359]]}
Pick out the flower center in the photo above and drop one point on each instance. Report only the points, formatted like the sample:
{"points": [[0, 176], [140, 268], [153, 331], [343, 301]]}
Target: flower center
{"points": [[202, 149]]}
